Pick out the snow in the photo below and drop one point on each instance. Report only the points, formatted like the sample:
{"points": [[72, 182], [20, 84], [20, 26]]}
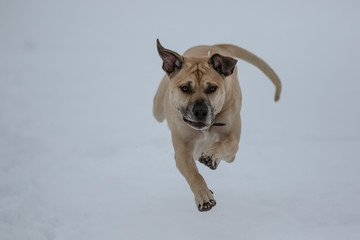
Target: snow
{"points": [[81, 156]]}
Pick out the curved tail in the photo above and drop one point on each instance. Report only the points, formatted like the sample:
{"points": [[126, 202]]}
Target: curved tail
{"points": [[249, 57]]}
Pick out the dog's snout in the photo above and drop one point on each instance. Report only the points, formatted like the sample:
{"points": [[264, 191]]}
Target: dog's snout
{"points": [[200, 110]]}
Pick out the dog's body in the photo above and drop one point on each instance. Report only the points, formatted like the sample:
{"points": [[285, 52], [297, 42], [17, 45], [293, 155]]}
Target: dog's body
{"points": [[200, 97]]}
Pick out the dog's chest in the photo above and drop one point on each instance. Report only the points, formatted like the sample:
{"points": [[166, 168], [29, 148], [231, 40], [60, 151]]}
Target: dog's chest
{"points": [[204, 142]]}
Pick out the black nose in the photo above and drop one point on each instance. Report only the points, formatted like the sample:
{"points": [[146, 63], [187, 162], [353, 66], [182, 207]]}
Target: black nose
{"points": [[200, 110]]}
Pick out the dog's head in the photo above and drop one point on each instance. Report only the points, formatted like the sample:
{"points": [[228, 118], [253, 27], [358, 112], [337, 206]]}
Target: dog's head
{"points": [[197, 88]]}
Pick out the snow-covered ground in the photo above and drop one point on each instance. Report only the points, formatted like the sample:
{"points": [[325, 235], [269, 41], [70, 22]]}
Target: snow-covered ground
{"points": [[81, 156]]}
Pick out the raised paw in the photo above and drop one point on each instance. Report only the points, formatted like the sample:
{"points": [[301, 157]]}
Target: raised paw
{"points": [[209, 161]]}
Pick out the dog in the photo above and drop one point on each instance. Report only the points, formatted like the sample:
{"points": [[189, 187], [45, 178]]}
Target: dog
{"points": [[200, 97]]}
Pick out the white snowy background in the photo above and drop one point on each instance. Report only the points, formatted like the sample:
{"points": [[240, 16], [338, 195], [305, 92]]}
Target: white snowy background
{"points": [[81, 156]]}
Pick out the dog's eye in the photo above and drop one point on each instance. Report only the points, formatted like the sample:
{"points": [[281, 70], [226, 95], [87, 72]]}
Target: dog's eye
{"points": [[211, 89], [185, 89]]}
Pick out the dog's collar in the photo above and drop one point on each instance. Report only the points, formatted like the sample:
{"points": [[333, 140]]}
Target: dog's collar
{"points": [[218, 124]]}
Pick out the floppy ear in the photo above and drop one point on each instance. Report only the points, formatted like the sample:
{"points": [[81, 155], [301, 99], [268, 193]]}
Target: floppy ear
{"points": [[223, 65], [172, 61]]}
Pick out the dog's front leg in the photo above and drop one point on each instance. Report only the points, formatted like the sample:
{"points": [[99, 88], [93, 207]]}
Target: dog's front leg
{"points": [[225, 149], [185, 163]]}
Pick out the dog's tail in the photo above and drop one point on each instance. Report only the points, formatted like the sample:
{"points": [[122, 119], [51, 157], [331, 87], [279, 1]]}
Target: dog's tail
{"points": [[249, 57]]}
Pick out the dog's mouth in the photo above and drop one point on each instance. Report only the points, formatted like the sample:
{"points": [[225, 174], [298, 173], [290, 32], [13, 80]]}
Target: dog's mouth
{"points": [[196, 125], [201, 125]]}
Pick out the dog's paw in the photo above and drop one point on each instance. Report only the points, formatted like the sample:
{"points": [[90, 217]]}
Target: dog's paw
{"points": [[209, 159], [207, 206], [205, 200]]}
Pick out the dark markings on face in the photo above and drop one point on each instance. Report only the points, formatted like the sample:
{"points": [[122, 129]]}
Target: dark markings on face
{"points": [[211, 88], [186, 88]]}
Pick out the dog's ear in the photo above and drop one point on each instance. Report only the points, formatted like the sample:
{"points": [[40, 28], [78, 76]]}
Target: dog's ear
{"points": [[223, 65], [172, 61]]}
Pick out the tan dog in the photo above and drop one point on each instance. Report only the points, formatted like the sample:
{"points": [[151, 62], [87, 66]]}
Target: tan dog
{"points": [[200, 98]]}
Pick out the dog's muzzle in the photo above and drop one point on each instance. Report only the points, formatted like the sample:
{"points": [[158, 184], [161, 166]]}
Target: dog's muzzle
{"points": [[198, 115], [196, 125]]}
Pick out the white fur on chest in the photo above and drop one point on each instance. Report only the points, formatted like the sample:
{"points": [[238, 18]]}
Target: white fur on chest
{"points": [[204, 142]]}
